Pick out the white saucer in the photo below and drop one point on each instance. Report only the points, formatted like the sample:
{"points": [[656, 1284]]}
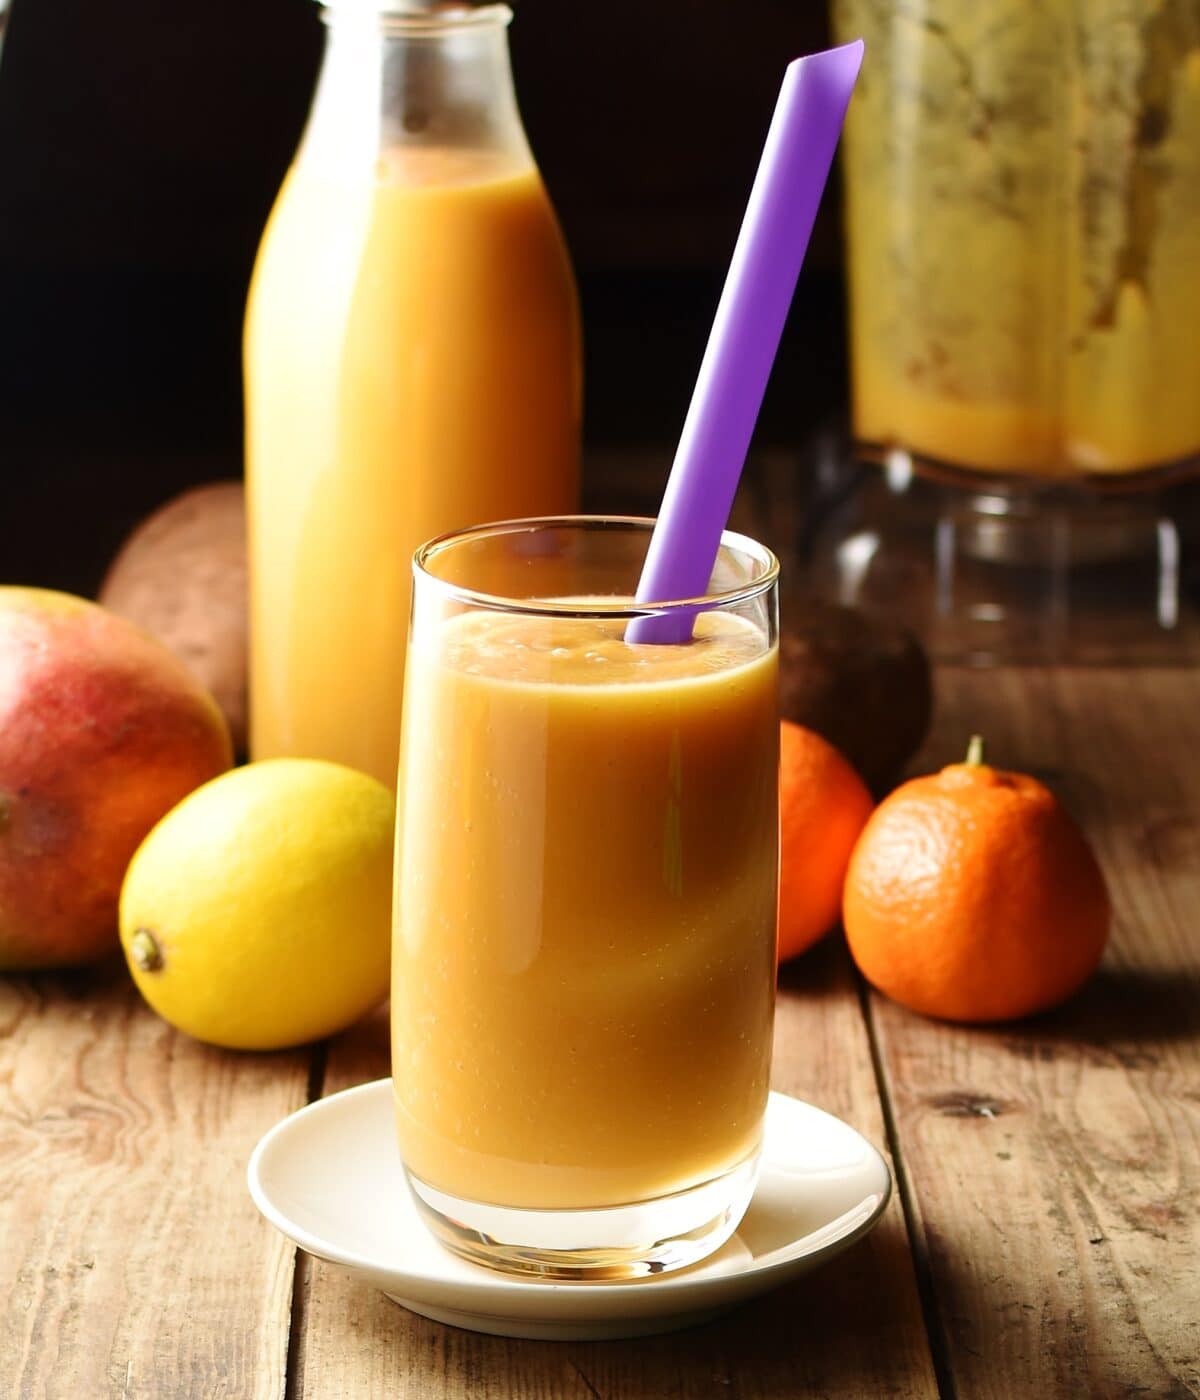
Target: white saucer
{"points": [[329, 1177]]}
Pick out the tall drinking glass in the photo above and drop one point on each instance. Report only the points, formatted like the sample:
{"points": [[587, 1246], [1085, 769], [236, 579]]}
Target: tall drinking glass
{"points": [[586, 885]]}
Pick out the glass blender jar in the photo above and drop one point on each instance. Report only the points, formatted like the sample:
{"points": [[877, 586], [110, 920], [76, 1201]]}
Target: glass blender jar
{"points": [[1022, 201]]}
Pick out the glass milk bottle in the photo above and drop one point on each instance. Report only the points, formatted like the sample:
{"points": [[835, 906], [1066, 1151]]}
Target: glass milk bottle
{"points": [[412, 363]]}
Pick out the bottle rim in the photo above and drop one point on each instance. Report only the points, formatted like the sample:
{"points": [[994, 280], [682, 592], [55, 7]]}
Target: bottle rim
{"points": [[422, 18]]}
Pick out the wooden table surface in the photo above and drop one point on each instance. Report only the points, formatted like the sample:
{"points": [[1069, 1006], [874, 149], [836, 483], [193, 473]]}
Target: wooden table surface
{"points": [[1044, 1239]]}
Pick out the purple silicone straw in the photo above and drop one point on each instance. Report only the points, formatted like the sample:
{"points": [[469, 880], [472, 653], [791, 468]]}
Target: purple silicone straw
{"points": [[745, 336]]}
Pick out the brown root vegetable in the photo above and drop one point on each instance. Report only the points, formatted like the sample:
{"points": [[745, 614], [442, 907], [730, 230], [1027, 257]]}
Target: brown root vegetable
{"points": [[181, 576], [862, 683]]}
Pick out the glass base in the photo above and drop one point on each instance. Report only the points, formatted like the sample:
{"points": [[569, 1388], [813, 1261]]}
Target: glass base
{"points": [[1015, 572], [611, 1242]]}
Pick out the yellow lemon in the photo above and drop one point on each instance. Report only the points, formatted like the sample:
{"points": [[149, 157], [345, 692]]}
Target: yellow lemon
{"points": [[256, 914]]}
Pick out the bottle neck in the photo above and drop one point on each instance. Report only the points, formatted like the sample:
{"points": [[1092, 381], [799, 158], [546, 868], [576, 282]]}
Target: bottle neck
{"points": [[394, 83]]}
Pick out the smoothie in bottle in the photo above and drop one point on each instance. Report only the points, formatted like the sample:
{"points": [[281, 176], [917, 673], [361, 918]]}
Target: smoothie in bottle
{"points": [[412, 364]]}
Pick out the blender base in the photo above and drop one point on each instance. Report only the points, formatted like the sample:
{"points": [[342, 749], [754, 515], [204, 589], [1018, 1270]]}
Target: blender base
{"points": [[1009, 572]]}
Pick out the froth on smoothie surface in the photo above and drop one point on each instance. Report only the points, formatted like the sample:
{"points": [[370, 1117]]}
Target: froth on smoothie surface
{"points": [[435, 167], [522, 647]]}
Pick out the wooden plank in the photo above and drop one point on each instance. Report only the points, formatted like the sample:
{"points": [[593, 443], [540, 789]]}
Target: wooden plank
{"points": [[1053, 1166], [355, 1342], [134, 1263]]}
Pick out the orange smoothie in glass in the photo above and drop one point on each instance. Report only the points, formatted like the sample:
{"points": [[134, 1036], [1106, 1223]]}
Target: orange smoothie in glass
{"points": [[584, 950]]}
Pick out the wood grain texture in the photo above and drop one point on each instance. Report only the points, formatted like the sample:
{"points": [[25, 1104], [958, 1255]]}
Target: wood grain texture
{"points": [[1053, 1166], [853, 1329], [134, 1263]]}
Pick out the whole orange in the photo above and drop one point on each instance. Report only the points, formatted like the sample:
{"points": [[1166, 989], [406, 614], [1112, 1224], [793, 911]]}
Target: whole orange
{"points": [[823, 805], [973, 896]]}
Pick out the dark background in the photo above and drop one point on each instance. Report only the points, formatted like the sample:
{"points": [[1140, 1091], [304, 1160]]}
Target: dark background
{"points": [[141, 145]]}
